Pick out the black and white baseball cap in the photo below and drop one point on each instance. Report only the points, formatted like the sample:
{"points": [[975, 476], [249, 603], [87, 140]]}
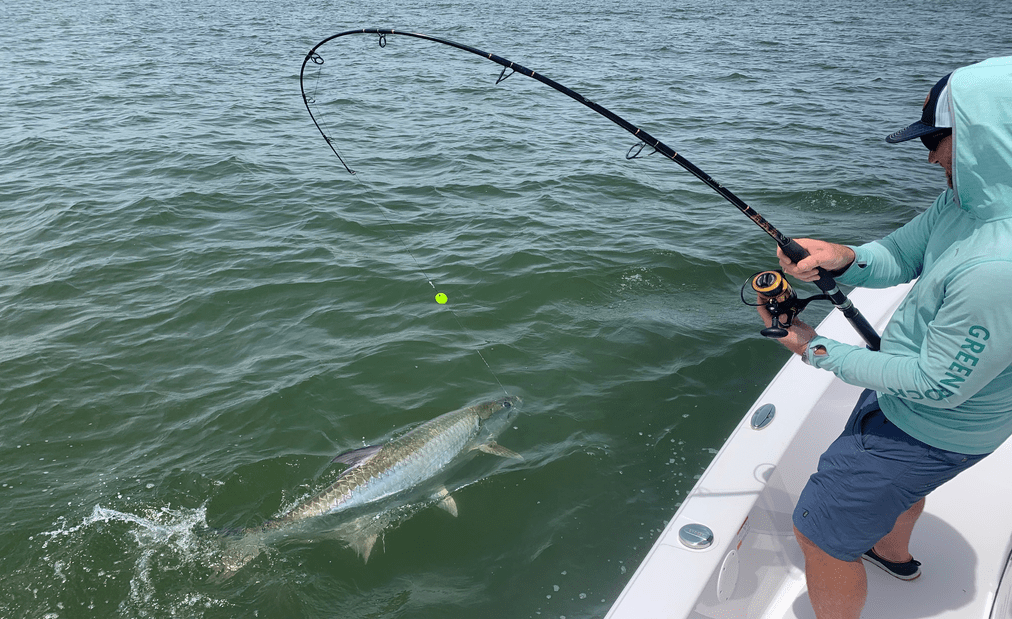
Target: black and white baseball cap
{"points": [[935, 117]]}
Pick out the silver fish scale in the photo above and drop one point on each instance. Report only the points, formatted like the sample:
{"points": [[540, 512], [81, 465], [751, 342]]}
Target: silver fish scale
{"points": [[399, 465]]}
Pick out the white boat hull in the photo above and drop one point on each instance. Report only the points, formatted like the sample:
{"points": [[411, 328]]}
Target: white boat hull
{"points": [[754, 568]]}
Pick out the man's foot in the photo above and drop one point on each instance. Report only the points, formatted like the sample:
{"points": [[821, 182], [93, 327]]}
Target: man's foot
{"points": [[904, 571]]}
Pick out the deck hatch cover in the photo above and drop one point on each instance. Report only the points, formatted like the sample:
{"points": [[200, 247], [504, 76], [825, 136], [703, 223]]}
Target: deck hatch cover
{"points": [[696, 536], [763, 416]]}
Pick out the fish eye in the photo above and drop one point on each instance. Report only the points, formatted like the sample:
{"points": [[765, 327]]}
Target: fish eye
{"points": [[507, 404]]}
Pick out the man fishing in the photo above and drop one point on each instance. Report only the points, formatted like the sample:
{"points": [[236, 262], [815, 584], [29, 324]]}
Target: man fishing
{"points": [[938, 394]]}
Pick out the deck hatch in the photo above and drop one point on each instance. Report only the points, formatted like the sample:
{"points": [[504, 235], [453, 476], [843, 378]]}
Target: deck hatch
{"points": [[763, 416]]}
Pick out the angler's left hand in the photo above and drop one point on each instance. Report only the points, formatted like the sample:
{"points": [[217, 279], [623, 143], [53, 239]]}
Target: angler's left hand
{"points": [[798, 335]]}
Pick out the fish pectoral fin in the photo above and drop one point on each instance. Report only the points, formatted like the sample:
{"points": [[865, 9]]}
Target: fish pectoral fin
{"points": [[496, 449], [446, 502], [357, 457]]}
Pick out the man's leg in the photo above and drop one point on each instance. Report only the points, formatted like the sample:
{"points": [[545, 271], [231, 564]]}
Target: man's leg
{"points": [[837, 589], [895, 546]]}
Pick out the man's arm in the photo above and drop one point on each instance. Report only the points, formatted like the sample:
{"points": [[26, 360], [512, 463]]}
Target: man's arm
{"points": [[895, 259], [967, 344]]}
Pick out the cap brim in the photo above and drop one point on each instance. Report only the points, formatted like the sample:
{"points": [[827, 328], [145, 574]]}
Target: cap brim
{"points": [[915, 130]]}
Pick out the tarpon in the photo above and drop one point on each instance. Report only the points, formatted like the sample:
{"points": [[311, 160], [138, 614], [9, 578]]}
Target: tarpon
{"points": [[397, 467]]}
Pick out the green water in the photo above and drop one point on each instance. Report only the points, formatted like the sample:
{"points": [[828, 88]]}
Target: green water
{"points": [[200, 307]]}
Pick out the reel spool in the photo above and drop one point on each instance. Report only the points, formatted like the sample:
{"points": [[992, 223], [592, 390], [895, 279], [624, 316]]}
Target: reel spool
{"points": [[779, 299]]}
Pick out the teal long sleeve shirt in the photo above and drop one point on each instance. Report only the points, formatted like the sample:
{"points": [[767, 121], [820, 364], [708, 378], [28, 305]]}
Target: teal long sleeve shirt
{"points": [[944, 370]]}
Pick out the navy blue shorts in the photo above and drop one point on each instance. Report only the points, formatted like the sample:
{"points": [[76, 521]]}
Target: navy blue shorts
{"points": [[869, 476]]}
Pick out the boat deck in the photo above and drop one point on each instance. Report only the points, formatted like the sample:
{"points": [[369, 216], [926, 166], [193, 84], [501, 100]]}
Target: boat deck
{"points": [[754, 567]]}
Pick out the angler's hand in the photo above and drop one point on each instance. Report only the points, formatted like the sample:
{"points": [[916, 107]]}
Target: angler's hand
{"points": [[829, 256], [798, 335]]}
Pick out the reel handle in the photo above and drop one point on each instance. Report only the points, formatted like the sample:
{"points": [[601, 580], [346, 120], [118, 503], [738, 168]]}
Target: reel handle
{"points": [[775, 332]]}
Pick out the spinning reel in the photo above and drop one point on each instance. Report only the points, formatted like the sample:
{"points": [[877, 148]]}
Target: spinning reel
{"points": [[779, 298]]}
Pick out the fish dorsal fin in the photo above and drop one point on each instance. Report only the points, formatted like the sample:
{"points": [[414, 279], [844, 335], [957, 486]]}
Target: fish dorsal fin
{"points": [[496, 449], [357, 457]]}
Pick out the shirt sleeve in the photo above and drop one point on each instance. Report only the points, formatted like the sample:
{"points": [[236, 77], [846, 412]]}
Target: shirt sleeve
{"points": [[899, 257], [964, 347]]}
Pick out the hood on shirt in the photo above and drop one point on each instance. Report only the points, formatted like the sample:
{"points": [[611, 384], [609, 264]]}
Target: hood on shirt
{"points": [[981, 96]]}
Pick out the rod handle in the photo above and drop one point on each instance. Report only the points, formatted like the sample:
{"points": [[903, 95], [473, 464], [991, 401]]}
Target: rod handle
{"points": [[827, 284], [797, 253]]}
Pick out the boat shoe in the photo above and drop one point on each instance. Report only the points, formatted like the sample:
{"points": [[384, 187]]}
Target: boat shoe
{"points": [[904, 571]]}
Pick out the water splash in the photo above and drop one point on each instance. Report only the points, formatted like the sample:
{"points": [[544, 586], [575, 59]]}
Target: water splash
{"points": [[144, 547]]}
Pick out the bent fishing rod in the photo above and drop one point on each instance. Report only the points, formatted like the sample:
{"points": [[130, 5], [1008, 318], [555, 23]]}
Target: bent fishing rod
{"points": [[790, 247]]}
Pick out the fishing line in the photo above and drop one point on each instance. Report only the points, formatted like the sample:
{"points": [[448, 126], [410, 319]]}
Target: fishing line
{"points": [[440, 297], [790, 247]]}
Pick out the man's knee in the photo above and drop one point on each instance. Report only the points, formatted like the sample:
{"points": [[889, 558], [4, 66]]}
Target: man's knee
{"points": [[816, 555], [807, 546]]}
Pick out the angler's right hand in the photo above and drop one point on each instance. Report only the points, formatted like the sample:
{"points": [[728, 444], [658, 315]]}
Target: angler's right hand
{"points": [[829, 256]]}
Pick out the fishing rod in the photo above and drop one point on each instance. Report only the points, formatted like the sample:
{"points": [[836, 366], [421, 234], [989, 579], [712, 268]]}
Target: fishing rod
{"points": [[790, 247]]}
